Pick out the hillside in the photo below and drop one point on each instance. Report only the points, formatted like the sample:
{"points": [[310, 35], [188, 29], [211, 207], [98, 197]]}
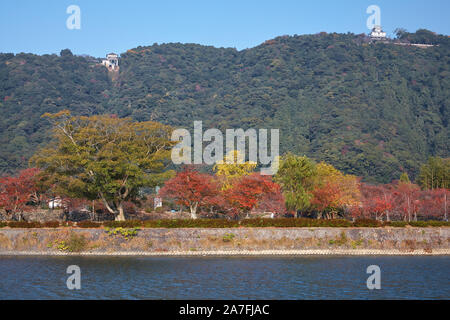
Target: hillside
{"points": [[373, 110]]}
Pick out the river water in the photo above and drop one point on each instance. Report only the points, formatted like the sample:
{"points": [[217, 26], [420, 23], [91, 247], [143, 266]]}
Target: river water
{"points": [[306, 277]]}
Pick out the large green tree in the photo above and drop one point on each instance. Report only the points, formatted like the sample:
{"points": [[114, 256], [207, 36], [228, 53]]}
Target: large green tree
{"points": [[104, 157], [435, 174], [296, 175]]}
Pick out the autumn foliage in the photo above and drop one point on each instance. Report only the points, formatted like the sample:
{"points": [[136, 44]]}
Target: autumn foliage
{"points": [[192, 189], [202, 191], [17, 191], [249, 191]]}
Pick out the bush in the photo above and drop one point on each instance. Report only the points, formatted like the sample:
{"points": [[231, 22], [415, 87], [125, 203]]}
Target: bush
{"points": [[189, 223], [76, 242], [126, 233], [397, 224], [3, 224], [123, 224], [433, 223], [50, 224], [24, 224], [88, 224], [429, 223], [367, 223], [228, 237]]}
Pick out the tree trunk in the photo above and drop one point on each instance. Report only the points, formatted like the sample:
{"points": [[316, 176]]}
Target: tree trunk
{"points": [[120, 216], [193, 208], [445, 207]]}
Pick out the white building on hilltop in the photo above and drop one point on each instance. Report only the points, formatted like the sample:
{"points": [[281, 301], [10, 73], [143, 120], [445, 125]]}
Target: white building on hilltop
{"points": [[377, 33], [111, 61]]}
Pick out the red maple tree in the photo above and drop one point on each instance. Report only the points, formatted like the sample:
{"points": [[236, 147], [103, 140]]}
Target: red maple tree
{"points": [[192, 189], [252, 190], [407, 200], [16, 191], [435, 203], [377, 200]]}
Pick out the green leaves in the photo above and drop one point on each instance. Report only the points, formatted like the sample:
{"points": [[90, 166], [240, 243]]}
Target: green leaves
{"points": [[105, 157], [296, 176]]}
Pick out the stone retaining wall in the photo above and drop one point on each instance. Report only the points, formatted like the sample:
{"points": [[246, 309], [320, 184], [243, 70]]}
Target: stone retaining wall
{"points": [[199, 241]]}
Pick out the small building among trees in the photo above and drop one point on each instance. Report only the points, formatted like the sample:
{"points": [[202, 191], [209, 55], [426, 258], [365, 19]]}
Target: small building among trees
{"points": [[111, 61], [377, 33]]}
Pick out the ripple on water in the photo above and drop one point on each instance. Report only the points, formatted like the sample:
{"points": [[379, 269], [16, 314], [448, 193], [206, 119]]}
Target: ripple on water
{"points": [[307, 277]]}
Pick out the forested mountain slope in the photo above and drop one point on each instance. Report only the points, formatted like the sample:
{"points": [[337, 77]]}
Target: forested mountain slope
{"points": [[371, 109]]}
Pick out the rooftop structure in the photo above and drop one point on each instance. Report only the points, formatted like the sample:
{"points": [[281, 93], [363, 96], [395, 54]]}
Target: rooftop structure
{"points": [[111, 61], [377, 33]]}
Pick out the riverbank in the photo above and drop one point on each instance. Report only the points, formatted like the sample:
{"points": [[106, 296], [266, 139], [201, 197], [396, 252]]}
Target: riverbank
{"points": [[225, 241]]}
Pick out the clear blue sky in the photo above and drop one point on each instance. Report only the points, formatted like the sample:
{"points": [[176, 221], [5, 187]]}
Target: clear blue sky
{"points": [[40, 26]]}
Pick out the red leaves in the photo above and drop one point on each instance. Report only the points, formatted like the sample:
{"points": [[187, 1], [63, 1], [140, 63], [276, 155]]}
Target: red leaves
{"points": [[403, 201], [190, 188], [435, 203], [249, 191], [326, 196], [378, 200], [15, 192]]}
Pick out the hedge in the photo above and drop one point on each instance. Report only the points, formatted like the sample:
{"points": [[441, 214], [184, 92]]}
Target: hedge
{"points": [[223, 223]]}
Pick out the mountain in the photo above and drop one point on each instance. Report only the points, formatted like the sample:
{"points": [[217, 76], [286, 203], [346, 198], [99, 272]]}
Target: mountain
{"points": [[370, 109]]}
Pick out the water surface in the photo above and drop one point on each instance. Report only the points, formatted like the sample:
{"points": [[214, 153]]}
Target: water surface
{"points": [[307, 277]]}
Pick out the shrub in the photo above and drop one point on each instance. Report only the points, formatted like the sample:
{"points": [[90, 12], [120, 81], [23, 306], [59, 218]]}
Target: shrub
{"points": [[429, 223], [126, 233], [88, 224], [3, 224], [397, 224], [76, 242], [367, 223], [67, 224], [200, 223], [23, 224], [50, 224], [433, 223], [123, 224], [228, 237]]}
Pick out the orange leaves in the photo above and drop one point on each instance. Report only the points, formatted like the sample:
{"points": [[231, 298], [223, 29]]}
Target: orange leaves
{"points": [[191, 187], [196, 190], [15, 192], [249, 191], [333, 189]]}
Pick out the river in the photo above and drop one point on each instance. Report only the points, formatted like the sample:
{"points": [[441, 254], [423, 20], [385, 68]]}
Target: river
{"points": [[305, 277]]}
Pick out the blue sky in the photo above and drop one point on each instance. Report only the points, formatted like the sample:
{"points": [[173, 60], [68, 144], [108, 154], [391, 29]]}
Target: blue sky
{"points": [[40, 26]]}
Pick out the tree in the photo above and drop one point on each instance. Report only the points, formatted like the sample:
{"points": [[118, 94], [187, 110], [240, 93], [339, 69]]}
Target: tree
{"points": [[434, 203], [103, 157], [16, 191], [296, 176], [404, 178], [66, 53], [334, 190], [378, 200], [233, 167], [406, 200], [192, 189], [248, 191], [400, 32], [435, 174]]}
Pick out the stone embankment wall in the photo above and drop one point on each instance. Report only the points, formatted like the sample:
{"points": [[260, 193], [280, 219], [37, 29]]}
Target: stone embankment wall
{"points": [[409, 240]]}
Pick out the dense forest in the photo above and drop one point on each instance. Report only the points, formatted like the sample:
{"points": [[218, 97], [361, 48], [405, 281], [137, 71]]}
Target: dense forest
{"points": [[369, 109]]}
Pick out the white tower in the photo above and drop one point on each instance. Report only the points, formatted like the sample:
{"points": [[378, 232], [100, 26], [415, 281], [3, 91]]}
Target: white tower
{"points": [[111, 61]]}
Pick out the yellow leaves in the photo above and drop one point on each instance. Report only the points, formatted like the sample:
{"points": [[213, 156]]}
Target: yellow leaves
{"points": [[346, 184], [233, 166], [59, 114]]}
